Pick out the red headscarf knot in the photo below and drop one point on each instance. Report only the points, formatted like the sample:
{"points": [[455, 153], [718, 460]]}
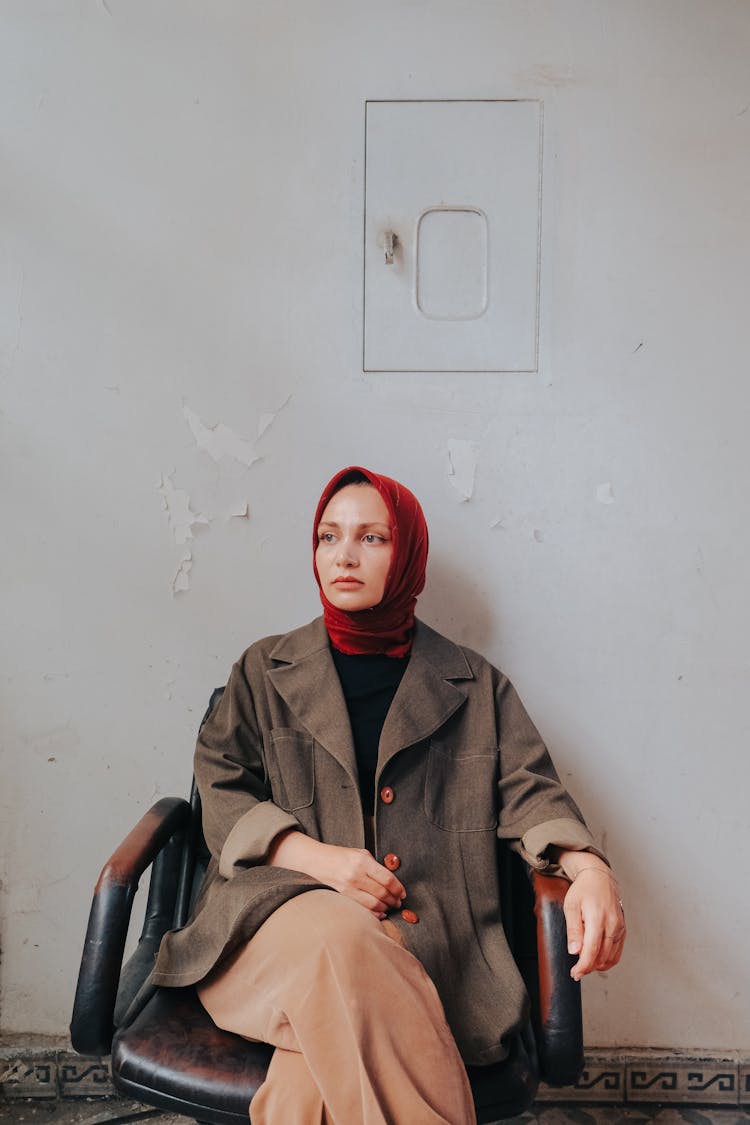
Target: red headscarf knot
{"points": [[387, 627]]}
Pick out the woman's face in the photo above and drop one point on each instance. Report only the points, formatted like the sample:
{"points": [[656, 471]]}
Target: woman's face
{"points": [[355, 548]]}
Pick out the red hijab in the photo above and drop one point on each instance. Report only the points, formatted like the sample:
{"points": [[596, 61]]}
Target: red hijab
{"points": [[387, 627]]}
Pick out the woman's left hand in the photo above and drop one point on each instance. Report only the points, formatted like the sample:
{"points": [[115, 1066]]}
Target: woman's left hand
{"points": [[593, 913]]}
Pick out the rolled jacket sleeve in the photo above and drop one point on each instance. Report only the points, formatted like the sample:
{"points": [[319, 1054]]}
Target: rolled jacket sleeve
{"points": [[565, 834], [251, 838], [240, 820], [536, 811]]}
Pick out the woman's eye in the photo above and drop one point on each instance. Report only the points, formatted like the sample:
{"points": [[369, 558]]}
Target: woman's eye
{"points": [[370, 538], [325, 537]]}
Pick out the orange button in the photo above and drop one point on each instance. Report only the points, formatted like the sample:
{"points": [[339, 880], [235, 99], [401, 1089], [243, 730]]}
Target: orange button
{"points": [[387, 796], [392, 862], [409, 916]]}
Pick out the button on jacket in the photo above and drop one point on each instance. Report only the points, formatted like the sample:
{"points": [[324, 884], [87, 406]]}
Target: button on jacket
{"points": [[459, 765]]}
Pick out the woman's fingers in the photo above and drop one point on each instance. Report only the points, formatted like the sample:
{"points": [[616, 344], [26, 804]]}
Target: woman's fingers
{"points": [[610, 952], [355, 873], [592, 939], [370, 902], [386, 878], [373, 895], [613, 941], [596, 925], [370, 874], [377, 892], [573, 922]]}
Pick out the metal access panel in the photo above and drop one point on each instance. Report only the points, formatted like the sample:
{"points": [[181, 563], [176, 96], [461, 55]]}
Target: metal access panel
{"points": [[452, 222]]}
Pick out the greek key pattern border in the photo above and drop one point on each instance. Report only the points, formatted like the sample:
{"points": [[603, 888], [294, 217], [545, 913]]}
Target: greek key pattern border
{"points": [[608, 1078], [745, 1083], [630, 1079], [59, 1074]]}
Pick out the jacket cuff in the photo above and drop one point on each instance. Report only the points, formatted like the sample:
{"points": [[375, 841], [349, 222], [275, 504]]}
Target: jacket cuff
{"points": [[564, 833], [251, 838]]}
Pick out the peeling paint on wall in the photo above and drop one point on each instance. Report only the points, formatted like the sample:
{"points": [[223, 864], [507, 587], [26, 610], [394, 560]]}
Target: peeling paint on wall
{"points": [[219, 441], [605, 493], [222, 445], [177, 506], [462, 466], [181, 580]]}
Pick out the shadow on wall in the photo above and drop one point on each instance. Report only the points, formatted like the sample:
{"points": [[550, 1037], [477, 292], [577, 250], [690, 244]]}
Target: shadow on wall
{"points": [[455, 606]]}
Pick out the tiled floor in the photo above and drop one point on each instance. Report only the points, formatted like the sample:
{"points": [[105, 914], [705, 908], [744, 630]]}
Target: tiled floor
{"points": [[96, 1111]]}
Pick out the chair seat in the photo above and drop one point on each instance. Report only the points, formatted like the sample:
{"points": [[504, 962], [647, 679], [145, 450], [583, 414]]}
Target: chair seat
{"points": [[173, 1051]]}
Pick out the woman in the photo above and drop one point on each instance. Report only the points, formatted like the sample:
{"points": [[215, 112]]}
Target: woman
{"points": [[355, 778]]}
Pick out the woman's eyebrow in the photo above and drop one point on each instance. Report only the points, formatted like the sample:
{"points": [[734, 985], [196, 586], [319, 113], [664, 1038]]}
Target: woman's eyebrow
{"points": [[360, 526]]}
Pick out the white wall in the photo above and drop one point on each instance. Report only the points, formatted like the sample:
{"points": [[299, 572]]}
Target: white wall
{"points": [[181, 224]]}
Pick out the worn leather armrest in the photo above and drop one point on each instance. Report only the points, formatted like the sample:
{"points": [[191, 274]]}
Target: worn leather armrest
{"points": [[560, 1039], [92, 1024]]}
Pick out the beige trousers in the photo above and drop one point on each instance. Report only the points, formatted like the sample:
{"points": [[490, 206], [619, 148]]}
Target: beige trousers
{"points": [[360, 1033]]}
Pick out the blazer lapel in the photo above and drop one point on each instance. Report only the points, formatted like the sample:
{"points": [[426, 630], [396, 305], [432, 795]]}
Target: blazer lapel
{"points": [[307, 681], [426, 697]]}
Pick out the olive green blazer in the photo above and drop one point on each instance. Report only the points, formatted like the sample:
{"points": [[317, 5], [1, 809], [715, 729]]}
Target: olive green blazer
{"points": [[465, 765]]}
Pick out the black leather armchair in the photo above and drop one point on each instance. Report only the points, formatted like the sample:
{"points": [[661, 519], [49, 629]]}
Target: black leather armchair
{"points": [[167, 1052]]}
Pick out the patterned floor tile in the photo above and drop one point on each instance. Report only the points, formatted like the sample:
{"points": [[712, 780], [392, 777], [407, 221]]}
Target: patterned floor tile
{"points": [[745, 1083], [83, 1078], [28, 1077], [599, 1082], [693, 1081]]}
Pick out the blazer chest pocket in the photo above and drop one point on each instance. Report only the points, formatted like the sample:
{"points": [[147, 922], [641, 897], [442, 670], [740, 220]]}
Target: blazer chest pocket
{"points": [[461, 793], [291, 768]]}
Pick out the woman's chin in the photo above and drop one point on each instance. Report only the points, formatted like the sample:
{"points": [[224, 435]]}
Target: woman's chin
{"points": [[351, 602]]}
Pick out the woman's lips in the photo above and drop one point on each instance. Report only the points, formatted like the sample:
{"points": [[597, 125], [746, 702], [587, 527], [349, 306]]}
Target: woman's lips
{"points": [[347, 582]]}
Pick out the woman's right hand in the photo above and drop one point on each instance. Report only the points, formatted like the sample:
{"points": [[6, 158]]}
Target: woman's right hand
{"points": [[351, 871]]}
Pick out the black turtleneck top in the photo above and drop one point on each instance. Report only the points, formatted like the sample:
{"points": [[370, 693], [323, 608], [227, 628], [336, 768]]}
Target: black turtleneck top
{"points": [[369, 683]]}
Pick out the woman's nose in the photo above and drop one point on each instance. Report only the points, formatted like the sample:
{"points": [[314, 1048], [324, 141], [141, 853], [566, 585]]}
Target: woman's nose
{"points": [[346, 556]]}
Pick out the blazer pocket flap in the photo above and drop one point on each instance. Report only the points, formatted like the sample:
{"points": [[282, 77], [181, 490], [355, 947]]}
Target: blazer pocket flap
{"points": [[291, 768], [461, 791]]}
